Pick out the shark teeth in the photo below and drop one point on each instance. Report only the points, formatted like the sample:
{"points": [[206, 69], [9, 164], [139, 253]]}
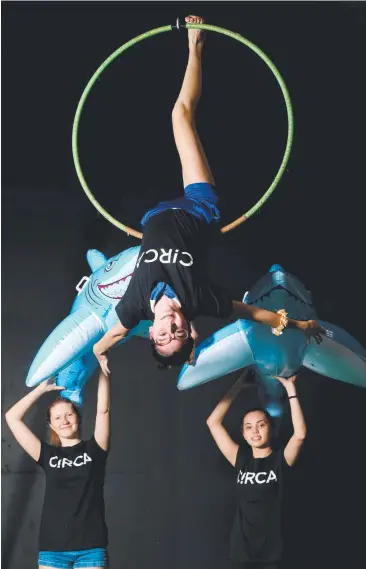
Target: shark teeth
{"points": [[116, 289], [268, 294]]}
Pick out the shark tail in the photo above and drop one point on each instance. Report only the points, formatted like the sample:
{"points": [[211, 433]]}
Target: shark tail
{"points": [[69, 341], [74, 377]]}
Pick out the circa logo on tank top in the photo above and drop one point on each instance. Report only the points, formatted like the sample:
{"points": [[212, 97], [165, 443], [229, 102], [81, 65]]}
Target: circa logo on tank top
{"points": [[56, 462], [256, 477], [166, 256]]}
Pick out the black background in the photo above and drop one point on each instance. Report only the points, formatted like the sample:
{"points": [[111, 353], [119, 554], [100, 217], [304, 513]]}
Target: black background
{"points": [[169, 493]]}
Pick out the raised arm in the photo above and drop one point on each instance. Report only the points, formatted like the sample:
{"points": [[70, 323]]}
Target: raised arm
{"points": [[103, 417], [14, 418], [110, 339], [245, 311], [195, 166], [222, 438], [295, 443]]}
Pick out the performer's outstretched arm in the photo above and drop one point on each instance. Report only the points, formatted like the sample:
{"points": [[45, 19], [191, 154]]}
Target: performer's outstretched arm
{"points": [[244, 311], [110, 339]]}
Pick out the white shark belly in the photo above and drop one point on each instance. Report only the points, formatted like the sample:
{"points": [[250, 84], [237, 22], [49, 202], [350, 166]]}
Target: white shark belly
{"points": [[72, 338]]}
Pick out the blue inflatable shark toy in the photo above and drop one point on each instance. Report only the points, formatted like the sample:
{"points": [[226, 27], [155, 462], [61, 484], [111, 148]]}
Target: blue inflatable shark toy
{"points": [[244, 344], [68, 351]]}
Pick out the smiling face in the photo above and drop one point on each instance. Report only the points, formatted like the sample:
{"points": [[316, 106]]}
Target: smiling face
{"points": [[257, 429], [64, 420], [169, 332]]}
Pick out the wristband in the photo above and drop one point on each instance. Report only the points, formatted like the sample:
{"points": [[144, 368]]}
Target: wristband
{"points": [[292, 396], [283, 322]]}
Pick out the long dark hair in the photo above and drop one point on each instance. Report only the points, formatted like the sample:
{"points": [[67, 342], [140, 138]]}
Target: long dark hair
{"points": [[54, 438]]}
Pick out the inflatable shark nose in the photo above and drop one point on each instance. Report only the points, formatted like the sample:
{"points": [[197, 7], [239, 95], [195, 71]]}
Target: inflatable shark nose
{"points": [[276, 268]]}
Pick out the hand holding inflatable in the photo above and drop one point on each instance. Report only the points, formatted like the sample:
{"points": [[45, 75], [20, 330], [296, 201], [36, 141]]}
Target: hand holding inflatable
{"points": [[68, 350]]}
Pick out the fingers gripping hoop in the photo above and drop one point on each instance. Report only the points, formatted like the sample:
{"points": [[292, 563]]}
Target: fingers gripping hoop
{"points": [[152, 33]]}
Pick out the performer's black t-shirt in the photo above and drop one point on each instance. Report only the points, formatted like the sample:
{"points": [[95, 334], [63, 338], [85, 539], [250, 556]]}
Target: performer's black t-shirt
{"points": [[257, 531], [73, 510], [173, 251]]}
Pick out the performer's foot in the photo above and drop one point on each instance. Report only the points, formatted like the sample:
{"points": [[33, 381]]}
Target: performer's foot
{"points": [[195, 37]]}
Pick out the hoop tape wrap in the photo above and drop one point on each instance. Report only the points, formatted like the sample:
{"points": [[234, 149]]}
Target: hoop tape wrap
{"points": [[152, 33]]}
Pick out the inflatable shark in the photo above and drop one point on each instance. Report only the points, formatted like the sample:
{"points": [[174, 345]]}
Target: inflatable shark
{"points": [[68, 351], [243, 344]]}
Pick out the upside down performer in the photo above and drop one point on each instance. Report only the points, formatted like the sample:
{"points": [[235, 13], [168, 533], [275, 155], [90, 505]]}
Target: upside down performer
{"points": [[170, 286]]}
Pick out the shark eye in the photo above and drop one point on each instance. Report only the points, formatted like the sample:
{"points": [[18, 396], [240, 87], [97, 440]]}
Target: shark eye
{"points": [[109, 266]]}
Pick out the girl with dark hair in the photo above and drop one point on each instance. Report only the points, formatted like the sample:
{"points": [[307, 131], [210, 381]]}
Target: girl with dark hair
{"points": [[73, 531], [256, 539]]}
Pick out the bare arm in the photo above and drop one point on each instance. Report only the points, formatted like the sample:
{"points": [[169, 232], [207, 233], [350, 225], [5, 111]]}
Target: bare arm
{"points": [[110, 339], [262, 316], [14, 418], [222, 438], [295, 443], [103, 417]]}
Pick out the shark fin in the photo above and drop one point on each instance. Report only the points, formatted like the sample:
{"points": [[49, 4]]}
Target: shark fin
{"points": [[96, 259], [224, 352], [337, 357], [342, 337]]}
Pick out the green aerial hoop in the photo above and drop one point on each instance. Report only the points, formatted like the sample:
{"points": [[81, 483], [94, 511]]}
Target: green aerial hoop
{"points": [[150, 34]]}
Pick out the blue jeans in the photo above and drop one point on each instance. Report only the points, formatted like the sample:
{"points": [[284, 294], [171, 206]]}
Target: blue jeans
{"points": [[199, 199], [69, 559]]}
